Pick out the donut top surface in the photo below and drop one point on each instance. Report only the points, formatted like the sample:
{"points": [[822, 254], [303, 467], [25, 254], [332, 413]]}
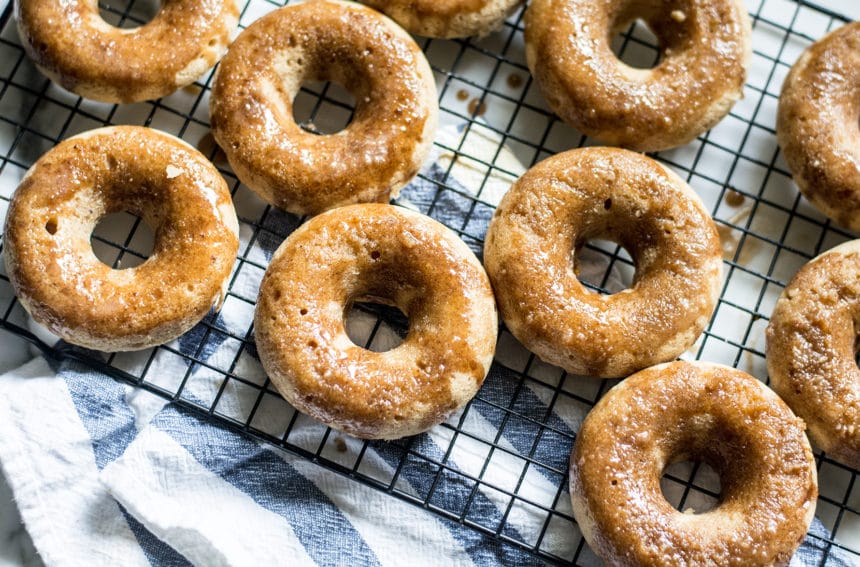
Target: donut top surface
{"points": [[811, 345], [705, 48], [74, 46], [251, 107], [425, 8], [447, 18], [157, 177], [389, 255], [819, 108], [603, 193], [702, 412]]}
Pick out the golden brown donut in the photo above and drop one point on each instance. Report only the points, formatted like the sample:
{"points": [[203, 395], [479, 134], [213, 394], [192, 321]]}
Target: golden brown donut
{"points": [[811, 343], [705, 51], [685, 411], [817, 124], [447, 18], [611, 194], [71, 44], [380, 64], [177, 192], [385, 254]]}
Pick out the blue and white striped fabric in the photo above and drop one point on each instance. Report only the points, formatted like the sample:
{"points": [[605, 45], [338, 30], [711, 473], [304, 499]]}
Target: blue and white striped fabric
{"points": [[94, 488], [105, 474]]}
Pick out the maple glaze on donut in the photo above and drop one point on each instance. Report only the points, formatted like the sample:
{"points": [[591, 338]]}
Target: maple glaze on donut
{"points": [[703, 412], [705, 50], [71, 44], [811, 344], [816, 125], [172, 187], [617, 195], [390, 255], [393, 125], [447, 18]]}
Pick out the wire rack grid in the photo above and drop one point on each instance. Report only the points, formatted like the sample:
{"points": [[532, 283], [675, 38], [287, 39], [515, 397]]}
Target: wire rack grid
{"points": [[493, 455]]}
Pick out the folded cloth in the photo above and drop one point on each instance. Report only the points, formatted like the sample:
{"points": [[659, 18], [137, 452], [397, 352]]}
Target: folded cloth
{"points": [[107, 474]]}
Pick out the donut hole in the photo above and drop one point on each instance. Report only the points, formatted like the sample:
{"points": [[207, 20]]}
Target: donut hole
{"points": [[122, 240], [323, 107], [603, 266], [51, 226], [643, 33], [375, 326], [691, 487], [129, 14], [636, 45]]}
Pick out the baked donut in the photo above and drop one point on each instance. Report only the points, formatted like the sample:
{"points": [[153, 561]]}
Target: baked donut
{"points": [[811, 344], [447, 18], [384, 254], [816, 124], [392, 128], [617, 195], [71, 44], [705, 51], [178, 193], [700, 412]]}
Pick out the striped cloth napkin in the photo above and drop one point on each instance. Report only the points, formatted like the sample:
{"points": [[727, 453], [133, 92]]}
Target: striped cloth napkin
{"points": [[107, 474]]}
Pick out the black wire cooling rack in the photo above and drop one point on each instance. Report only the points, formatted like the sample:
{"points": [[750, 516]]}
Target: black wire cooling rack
{"points": [[495, 125]]}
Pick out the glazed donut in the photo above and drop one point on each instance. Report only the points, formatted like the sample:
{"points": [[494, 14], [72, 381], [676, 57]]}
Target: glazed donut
{"points": [[617, 195], [816, 124], [169, 184], [701, 412], [385, 254], [380, 64], [73, 46], [811, 341], [705, 51], [447, 18]]}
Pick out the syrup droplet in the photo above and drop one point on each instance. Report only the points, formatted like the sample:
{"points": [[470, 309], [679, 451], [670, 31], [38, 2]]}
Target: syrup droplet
{"points": [[477, 108], [734, 198]]}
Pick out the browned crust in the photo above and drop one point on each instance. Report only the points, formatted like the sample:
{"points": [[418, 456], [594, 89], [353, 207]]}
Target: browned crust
{"points": [[612, 194], [380, 64], [811, 341], [447, 18], [51, 263], [817, 124], [701, 75], [75, 47], [701, 412], [393, 255]]}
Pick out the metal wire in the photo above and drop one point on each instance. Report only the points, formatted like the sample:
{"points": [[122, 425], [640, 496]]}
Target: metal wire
{"points": [[767, 229]]}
